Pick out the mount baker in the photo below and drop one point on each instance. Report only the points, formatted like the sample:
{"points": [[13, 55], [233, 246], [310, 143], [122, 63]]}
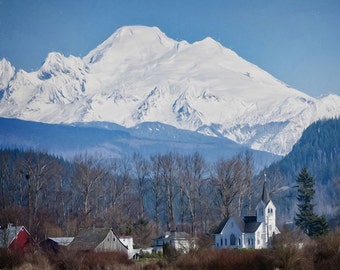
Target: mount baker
{"points": [[140, 75]]}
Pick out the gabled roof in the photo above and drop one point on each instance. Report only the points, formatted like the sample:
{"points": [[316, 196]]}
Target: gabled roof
{"points": [[221, 226], [174, 235], [9, 235], [238, 220], [62, 241], [179, 235], [89, 239], [248, 224]]}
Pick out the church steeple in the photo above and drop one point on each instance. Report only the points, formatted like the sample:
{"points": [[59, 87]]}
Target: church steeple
{"points": [[265, 195]]}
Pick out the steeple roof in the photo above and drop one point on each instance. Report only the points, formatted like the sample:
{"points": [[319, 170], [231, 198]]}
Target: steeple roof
{"points": [[265, 194]]}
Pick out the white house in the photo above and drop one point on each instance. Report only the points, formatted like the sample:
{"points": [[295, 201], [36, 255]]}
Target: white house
{"points": [[249, 231], [181, 241]]}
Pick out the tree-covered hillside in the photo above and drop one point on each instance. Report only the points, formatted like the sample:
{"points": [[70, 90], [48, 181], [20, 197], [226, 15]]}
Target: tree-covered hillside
{"points": [[319, 150]]}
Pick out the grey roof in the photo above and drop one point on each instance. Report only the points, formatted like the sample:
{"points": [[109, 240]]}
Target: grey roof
{"points": [[221, 226], [89, 239], [179, 235], [251, 226], [63, 241], [174, 235], [247, 224]]}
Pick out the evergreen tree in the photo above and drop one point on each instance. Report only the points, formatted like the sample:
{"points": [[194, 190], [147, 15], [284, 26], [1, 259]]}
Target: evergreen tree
{"points": [[310, 223]]}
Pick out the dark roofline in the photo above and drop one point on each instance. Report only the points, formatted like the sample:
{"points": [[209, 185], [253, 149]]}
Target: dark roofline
{"points": [[265, 194], [221, 226]]}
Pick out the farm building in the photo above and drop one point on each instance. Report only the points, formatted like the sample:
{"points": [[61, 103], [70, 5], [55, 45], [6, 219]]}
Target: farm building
{"points": [[97, 239], [16, 238]]}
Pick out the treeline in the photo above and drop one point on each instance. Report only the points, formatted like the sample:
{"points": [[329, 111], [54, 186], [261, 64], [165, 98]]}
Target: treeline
{"points": [[133, 195]]}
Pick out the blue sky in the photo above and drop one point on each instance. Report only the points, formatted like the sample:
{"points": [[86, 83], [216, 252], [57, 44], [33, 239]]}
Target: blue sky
{"points": [[297, 41]]}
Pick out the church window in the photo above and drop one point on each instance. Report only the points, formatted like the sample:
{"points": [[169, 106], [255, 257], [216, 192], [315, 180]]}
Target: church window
{"points": [[232, 240], [221, 242]]}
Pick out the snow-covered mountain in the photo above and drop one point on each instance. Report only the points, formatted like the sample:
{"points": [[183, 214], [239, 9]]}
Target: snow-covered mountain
{"points": [[140, 75]]}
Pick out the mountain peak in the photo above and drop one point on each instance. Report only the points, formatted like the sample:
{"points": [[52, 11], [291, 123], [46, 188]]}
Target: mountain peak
{"points": [[7, 72], [140, 75], [133, 40]]}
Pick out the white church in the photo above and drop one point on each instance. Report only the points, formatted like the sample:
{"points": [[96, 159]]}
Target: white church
{"points": [[249, 231]]}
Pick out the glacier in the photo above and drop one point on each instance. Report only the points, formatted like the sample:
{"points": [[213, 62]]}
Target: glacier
{"points": [[140, 75]]}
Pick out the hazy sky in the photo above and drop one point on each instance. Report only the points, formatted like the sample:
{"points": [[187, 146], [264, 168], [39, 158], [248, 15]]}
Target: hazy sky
{"points": [[297, 41]]}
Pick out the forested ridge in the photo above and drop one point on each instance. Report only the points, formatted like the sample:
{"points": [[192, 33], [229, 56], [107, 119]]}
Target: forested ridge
{"points": [[319, 150]]}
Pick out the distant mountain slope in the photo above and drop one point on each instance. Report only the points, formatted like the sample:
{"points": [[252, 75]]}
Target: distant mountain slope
{"points": [[140, 75], [114, 141], [319, 150]]}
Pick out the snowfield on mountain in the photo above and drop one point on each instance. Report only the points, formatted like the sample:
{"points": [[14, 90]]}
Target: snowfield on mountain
{"points": [[140, 75]]}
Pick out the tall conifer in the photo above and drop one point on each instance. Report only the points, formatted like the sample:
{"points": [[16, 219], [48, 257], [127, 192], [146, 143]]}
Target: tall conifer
{"points": [[306, 219]]}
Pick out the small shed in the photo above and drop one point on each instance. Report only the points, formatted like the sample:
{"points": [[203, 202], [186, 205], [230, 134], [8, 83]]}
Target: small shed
{"points": [[97, 239]]}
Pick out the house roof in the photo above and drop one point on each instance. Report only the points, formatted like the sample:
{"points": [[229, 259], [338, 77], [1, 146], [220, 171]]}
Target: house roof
{"points": [[89, 239], [63, 241], [221, 226], [247, 224], [179, 235], [174, 235], [251, 227]]}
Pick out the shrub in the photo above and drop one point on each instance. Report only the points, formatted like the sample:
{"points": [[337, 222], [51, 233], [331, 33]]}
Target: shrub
{"points": [[8, 260], [225, 259]]}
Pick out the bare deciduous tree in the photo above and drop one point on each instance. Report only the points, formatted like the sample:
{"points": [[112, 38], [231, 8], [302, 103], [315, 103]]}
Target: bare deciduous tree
{"points": [[156, 188], [141, 175], [232, 180], [169, 174], [192, 169], [86, 180], [41, 173]]}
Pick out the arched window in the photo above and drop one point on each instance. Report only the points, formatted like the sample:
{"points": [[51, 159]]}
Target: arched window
{"points": [[232, 240], [221, 242]]}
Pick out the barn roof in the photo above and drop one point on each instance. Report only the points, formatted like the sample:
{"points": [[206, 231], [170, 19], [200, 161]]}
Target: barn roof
{"points": [[15, 237], [89, 239]]}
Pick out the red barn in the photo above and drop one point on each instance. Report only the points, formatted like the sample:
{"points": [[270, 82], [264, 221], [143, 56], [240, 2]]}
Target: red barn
{"points": [[16, 238]]}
